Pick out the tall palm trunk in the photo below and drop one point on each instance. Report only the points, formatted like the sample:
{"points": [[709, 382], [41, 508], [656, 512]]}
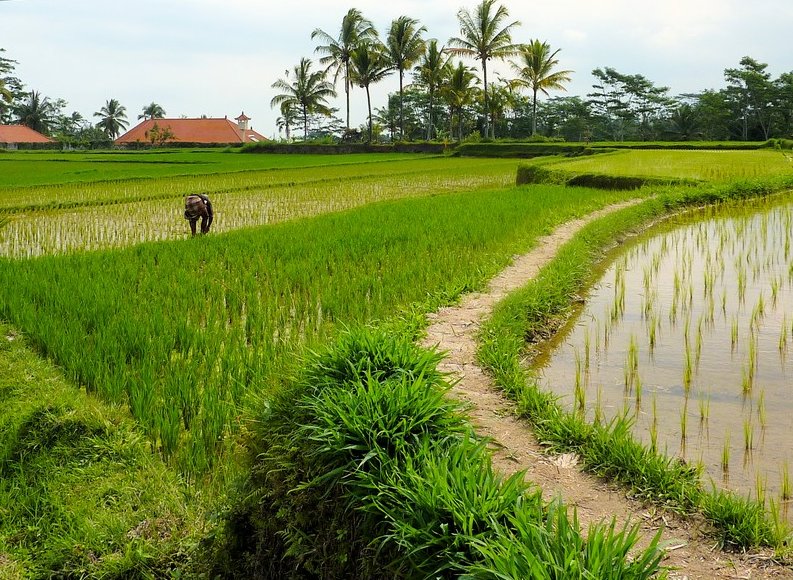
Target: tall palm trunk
{"points": [[347, 90], [369, 106], [401, 110], [429, 120], [534, 113], [487, 103]]}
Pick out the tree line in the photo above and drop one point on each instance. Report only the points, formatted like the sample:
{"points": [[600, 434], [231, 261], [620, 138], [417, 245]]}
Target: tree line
{"points": [[49, 117], [440, 97]]}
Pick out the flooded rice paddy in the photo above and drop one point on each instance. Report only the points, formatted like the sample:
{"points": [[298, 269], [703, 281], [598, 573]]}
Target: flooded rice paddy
{"points": [[690, 330]]}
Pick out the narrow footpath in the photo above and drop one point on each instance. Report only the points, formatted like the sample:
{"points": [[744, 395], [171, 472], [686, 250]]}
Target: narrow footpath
{"points": [[690, 553]]}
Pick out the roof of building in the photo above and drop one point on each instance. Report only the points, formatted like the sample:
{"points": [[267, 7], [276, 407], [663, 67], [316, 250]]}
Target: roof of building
{"points": [[21, 134], [193, 131]]}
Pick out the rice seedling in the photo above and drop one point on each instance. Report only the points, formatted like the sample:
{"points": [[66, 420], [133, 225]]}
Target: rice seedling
{"points": [[725, 453], [748, 435], [761, 416], [786, 492], [761, 483], [684, 420]]}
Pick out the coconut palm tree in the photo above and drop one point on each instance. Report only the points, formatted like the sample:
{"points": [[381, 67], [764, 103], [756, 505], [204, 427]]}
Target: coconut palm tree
{"points": [[484, 38], [355, 29], [308, 92], [37, 112], [432, 69], [152, 111], [458, 92], [287, 119], [369, 65], [404, 47], [113, 118], [535, 71]]}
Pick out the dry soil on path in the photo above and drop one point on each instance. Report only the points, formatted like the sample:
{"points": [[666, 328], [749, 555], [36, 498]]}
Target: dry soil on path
{"points": [[690, 552]]}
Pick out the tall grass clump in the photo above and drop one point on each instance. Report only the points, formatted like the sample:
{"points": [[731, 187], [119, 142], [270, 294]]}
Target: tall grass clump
{"points": [[534, 312], [364, 468]]}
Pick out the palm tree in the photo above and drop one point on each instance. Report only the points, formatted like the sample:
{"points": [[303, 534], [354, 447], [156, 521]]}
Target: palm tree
{"points": [[484, 38], [355, 29], [113, 118], [685, 122], [36, 112], [535, 71], [152, 111], [287, 118], [404, 47], [458, 92], [369, 65], [308, 92], [431, 71]]}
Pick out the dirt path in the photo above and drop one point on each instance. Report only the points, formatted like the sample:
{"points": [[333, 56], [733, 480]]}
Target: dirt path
{"points": [[690, 553]]}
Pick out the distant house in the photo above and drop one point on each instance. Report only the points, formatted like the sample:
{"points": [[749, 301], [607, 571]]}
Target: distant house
{"points": [[202, 131], [12, 136]]}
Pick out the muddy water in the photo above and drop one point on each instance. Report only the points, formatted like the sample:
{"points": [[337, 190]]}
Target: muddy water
{"points": [[691, 331]]}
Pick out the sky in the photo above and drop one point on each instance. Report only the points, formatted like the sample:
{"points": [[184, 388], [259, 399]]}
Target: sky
{"points": [[220, 57]]}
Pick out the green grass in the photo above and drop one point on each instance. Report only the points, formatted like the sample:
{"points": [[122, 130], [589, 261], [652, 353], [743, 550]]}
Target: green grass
{"points": [[25, 168], [81, 494], [103, 215], [700, 165]]}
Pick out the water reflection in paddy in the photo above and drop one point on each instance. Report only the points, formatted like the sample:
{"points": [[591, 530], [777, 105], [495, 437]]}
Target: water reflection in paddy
{"points": [[691, 330]]}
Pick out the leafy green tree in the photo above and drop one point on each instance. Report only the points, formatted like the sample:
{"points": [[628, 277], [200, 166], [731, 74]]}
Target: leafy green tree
{"points": [[159, 135], [112, 118], [458, 92], [308, 92], [11, 89], [355, 29], [38, 112], [784, 104], [404, 46], [369, 65], [433, 68], [751, 92], [484, 36], [714, 114], [627, 104], [152, 111], [535, 70], [567, 117]]}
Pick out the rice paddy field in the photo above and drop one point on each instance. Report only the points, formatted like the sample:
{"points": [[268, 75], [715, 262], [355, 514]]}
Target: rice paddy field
{"points": [[689, 331], [190, 338], [707, 165]]}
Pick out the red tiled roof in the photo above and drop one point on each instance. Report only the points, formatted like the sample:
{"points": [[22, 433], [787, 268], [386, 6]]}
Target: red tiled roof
{"points": [[21, 134], [193, 131]]}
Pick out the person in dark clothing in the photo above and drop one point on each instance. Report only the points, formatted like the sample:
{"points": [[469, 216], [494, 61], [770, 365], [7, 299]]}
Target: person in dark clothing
{"points": [[198, 206]]}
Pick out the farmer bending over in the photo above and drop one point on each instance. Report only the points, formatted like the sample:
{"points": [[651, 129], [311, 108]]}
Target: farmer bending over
{"points": [[198, 206]]}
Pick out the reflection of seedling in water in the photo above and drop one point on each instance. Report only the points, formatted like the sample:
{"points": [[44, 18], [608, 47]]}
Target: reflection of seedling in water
{"points": [[654, 427], [704, 409], [761, 409]]}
